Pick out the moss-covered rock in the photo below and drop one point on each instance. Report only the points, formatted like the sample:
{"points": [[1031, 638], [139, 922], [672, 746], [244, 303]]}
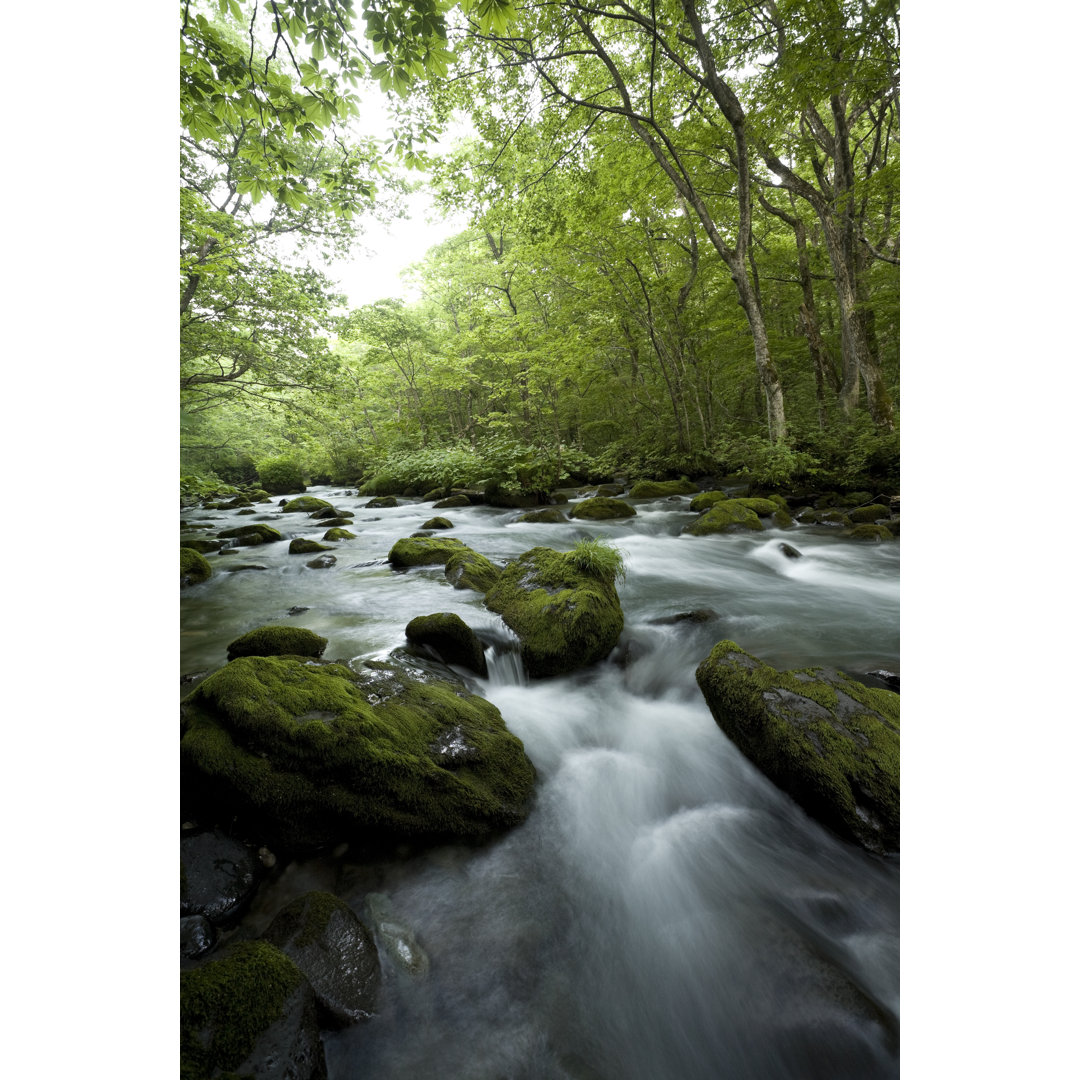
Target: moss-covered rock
{"points": [[701, 503], [316, 754], [602, 508], [831, 743], [659, 489], [337, 533], [549, 515], [336, 522], [452, 500], [334, 951], [855, 498], [782, 518], [194, 569], [384, 502], [252, 533], [437, 523], [277, 641], [306, 504], [452, 639], [727, 516], [251, 1013], [201, 546], [424, 551], [863, 515], [873, 533], [300, 546], [331, 512], [817, 516], [323, 562], [566, 618], [468, 569], [761, 507]]}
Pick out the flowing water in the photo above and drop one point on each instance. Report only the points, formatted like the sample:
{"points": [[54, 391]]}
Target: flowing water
{"points": [[664, 913]]}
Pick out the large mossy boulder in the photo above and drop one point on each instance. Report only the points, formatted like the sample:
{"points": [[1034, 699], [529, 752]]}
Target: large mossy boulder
{"points": [[659, 489], [384, 502], [309, 755], [450, 637], [302, 546], [338, 533], [251, 1013], [451, 501], [761, 507], [424, 551], [251, 534], [437, 523], [602, 508], [863, 515], [701, 503], [194, 569], [549, 515], [874, 533], [331, 512], [306, 504], [468, 569], [566, 618], [202, 546], [831, 743], [727, 516], [277, 641], [334, 951]]}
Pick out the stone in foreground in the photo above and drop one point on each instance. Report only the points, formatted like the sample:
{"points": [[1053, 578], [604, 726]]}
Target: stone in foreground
{"points": [[310, 754], [831, 743], [452, 639], [278, 641]]}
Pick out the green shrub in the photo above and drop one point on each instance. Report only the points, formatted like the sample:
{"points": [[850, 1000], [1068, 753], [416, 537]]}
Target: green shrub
{"points": [[598, 559], [281, 476]]}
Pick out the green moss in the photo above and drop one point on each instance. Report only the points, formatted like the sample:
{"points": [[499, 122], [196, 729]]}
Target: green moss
{"points": [[336, 522], [300, 546], [202, 546], [338, 534], [382, 503], [437, 523], [862, 515], [225, 1005], [451, 637], [566, 619], [761, 507], [727, 516], [194, 569], [830, 742], [324, 753], [658, 489], [468, 569], [451, 501], [825, 517], [602, 508], [424, 551], [706, 499], [252, 533], [277, 641], [855, 498], [875, 533], [306, 504]]}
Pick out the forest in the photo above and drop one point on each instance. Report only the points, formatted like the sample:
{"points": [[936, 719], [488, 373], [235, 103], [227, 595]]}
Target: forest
{"points": [[682, 255]]}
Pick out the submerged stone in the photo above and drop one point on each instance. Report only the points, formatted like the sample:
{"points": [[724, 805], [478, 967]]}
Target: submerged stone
{"points": [[197, 936], [791, 552], [315, 754], [398, 941], [452, 639], [194, 569], [698, 615], [334, 951], [831, 743], [278, 641], [565, 617], [251, 1013], [602, 508], [323, 562]]}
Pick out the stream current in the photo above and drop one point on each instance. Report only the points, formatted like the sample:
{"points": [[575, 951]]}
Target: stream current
{"points": [[665, 913]]}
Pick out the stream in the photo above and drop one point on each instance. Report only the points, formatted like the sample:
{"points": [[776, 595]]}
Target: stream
{"points": [[665, 913]]}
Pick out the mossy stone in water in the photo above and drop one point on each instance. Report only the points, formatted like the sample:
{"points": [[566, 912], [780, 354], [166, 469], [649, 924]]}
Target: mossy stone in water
{"points": [[382, 503], [251, 1013], [337, 533], [863, 515], [300, 546], [277, 641], [451, 638], [566, 619], [602, 508], [253, 533], [331, 512], [202, 546], [658, 489], [423, 551], [451, 501], [194, 569], [761, 507], [874, 533], [831, 743], [339, 521], [818, 516], [315, 754], [437, 523], [549, 515], [306, 504], [727, 516], [706, 499], [468, 569]]}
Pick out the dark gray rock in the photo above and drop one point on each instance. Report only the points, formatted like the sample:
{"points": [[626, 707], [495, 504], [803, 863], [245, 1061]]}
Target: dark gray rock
{"points": [[197, 936], [218, 876], [450, 638]]}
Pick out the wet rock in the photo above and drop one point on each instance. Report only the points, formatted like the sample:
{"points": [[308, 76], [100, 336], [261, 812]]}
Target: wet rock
{"points": [[240, 513], [452, 640], [244, 566], [397, 940], [330, 512], [382, 503], [323, 562], [334, 951], [831, 743], [698, 615], [874, 533], [468, 569], [306, 504], [202, 546], [338, 534], [451, 501], [300, 546], [342, 520], [437, 523], [277, 641], [659, 489], [251, 534], [889, 678], [313, 754], [824, 516], [707, 499], [863, 515], [791, 552], [602, 508], [197, 936], [549, 515], [729, 515], [251, 1013], [218, 875], [194, 569], [297, 610], [424, 551]]}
